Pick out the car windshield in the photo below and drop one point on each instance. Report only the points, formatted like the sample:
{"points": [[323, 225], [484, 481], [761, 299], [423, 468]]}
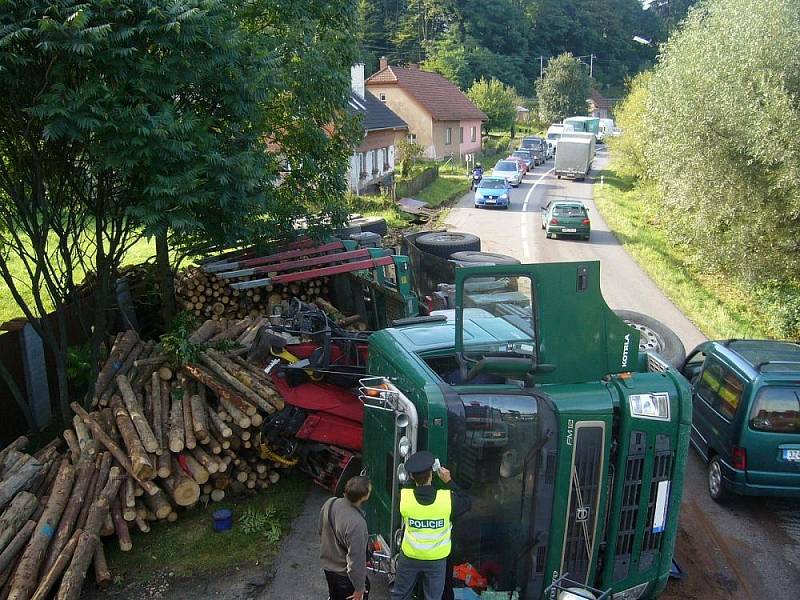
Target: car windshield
{"points": [[553, 136], [522, 155], [777, 409], [569, 210], [506, 165], [492, 182]]}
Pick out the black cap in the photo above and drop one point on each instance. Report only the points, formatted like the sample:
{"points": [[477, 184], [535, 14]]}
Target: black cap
{"points": [[419, 462]]}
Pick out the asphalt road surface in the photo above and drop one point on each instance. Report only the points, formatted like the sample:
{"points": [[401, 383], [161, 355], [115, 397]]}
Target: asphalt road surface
{"points": [[750, 549]]}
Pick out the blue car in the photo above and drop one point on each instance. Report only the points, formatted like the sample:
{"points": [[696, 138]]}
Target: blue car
{"points": [[493, 191]]}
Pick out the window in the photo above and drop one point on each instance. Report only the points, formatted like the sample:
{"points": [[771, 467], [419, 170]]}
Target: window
{"points": [[448, 136], [721, 389], [474, 134], [412, 138], [374, 158], [460, 135], [362, 165], [777, 410], [382, 97]]}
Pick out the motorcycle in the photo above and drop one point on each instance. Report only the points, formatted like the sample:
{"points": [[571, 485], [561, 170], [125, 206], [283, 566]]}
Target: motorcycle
{"points": [[477, 176]]}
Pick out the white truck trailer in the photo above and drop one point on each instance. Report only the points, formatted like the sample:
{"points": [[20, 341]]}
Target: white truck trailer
{"points": [[575, 155]]}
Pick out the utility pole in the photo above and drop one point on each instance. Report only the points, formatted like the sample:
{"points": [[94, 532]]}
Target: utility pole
{"points": [[541, 67], [591, 64]]}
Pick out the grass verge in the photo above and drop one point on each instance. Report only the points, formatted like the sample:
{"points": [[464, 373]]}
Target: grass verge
{"points": [[191, 547], [445, 189], [716, 305]]}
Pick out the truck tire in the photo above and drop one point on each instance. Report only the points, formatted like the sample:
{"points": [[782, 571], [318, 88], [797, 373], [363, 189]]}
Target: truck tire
{"points": [[469, 258], [370, 224], [656, 337], [445, 243], [716, 485]]}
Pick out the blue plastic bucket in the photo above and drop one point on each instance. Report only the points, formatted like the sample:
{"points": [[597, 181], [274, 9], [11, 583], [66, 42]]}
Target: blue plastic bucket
{"points": [[223, 519]]}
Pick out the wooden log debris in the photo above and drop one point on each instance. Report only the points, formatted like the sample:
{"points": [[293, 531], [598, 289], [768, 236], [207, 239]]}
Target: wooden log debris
{"points": [[116, 358], [141, 464], [136, 413]]}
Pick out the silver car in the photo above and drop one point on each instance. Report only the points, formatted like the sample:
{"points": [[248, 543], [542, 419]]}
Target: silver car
{"points": [[509, 170]]}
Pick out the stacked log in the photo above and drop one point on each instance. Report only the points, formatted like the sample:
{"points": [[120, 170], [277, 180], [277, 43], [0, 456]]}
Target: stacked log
{"points": [[160, 439], [210, 296]]}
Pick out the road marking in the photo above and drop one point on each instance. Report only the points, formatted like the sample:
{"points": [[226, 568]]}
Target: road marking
{"points": [[533, 187]]}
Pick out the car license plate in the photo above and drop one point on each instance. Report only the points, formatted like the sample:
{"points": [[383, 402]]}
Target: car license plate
{"points": [[791, 454], [566, 230], [491, 201]]}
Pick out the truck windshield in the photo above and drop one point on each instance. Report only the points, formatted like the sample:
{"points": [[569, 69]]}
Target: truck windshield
{"points": [[496, 457], [505, 323]]}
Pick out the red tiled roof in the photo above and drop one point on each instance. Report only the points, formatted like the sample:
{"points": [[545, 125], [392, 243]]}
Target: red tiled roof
{"points": [[443, 100], [599, 101]]}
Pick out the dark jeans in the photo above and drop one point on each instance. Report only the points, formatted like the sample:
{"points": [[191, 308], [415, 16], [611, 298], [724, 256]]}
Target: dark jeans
{"points": [[340, 587], [432, 573]]}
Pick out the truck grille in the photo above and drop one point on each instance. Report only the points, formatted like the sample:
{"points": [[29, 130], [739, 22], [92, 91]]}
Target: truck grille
{"points": [[587, 471], [632, 488], [662, 466], [629, 512]]}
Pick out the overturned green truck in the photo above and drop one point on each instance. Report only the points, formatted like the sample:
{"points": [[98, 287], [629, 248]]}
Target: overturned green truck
{"points": [[571, 441]]}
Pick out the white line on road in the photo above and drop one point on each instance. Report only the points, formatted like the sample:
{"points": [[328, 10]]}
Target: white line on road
{"points": [[533, 187]]}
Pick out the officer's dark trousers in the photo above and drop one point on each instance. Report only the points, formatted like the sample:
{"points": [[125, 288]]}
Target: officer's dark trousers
{"points": [[432, 573]]}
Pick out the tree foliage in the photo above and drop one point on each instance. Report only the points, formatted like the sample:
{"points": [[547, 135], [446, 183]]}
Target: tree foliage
{"points": [[563, 90], [498, 101], [505, 38], [718, 135], [165, 118]]}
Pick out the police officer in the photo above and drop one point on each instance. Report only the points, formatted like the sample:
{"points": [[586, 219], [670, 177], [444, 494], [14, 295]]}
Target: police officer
{"points": [[427, 518]]}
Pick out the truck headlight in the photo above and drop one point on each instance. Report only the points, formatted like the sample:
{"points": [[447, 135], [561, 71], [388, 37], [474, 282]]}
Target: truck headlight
{"points": [[404, 446], [633, 593], [402, 474], [576, 594], [650, 406]]}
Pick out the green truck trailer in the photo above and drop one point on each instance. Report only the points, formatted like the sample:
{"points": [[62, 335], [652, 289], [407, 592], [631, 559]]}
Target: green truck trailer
{"points": [[571, 441], [584, 124]]}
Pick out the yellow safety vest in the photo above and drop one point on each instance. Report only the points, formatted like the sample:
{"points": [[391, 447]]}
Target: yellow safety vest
{"points": [[427, 527]]}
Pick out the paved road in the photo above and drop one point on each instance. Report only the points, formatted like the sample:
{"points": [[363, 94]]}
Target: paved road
{"points": [[748, 550]]}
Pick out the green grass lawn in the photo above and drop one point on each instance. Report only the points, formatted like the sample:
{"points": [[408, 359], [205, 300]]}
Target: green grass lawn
{"points": [[716, 305], [190, 546], [140, 252]]}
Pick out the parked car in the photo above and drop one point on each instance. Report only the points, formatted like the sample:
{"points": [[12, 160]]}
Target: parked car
{"points": [[537, 146], [526, 156], [566, 217], [493, 191], [521, 162], [746, 416], [509, 170]]}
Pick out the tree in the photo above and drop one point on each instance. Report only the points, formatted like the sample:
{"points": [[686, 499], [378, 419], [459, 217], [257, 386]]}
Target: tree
{"points": [[124, 119], [498, 101], [564, 89], [719, 140], [448, 57], [629, 150]]}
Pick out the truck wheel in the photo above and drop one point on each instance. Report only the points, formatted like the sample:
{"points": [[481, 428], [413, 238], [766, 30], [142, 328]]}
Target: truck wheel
{"points": [[655, 337], [716, 487], [370, 224], [445, 243], [470, 258]]}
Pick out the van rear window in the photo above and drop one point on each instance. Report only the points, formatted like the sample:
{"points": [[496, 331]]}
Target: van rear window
{"points": [[777, 410]]}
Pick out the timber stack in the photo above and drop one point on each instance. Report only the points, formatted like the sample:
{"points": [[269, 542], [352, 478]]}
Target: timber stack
{"points": [[160, 437], [210, 296]]}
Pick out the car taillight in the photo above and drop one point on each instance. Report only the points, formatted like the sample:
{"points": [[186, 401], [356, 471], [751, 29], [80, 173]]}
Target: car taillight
{"points": [[553, 221], [586, 221], [739, 458]]}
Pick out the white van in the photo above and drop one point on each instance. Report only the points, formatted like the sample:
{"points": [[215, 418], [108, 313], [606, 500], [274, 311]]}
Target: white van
{"points": [[554, 133], [606, 128]]}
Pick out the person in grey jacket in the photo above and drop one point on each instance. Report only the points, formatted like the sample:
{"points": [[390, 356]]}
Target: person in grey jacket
{"points": [[343, 542]]}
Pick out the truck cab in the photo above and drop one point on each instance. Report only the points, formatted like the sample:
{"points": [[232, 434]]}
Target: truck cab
{"points": [[570, 440]]}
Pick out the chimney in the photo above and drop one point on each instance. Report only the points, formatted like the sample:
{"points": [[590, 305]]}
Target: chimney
{"points": [[357, 79], [383, 63]]}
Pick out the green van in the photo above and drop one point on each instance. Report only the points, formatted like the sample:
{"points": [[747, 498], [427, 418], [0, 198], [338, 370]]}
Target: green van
{"points": [[746, 416]]}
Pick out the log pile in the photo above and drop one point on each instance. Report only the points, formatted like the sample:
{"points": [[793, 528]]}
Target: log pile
{"points": [[209, 296], [158, 440]]}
